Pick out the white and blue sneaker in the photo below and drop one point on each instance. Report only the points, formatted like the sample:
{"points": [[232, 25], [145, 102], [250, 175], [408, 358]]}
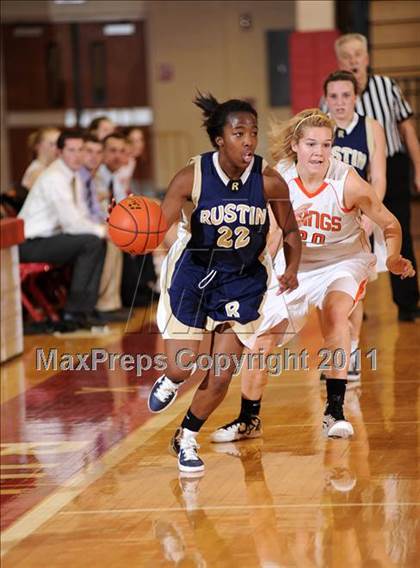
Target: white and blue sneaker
{"points": [[175, 443], [188, 458], [163, 394], [185, 447]]}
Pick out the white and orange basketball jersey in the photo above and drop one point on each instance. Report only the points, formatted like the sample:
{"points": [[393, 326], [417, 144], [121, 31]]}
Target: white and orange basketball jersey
{"points": [[331, 231]]}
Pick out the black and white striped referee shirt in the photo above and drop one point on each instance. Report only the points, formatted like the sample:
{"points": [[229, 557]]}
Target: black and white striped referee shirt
{"points": [[382, 99]]}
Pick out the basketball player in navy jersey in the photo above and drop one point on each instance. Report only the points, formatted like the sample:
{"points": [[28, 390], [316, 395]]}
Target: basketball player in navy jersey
{"points": [[360, 142], [216, 274]]}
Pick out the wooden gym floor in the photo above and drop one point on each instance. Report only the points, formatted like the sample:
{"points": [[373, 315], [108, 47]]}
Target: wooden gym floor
{"points": [[87, 479]]}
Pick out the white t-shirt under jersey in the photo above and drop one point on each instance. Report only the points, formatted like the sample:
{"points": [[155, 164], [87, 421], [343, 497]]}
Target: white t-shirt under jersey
{"points": [[331, 231]]}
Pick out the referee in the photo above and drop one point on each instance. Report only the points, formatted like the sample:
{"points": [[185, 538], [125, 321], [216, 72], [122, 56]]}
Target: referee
{"points": [[382, 99]]}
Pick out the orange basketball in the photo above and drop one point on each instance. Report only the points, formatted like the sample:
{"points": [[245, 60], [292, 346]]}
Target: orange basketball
{"points": [[137, 225]]}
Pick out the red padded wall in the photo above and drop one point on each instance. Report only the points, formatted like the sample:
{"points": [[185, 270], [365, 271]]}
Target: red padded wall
{"points": [[312, 58]]}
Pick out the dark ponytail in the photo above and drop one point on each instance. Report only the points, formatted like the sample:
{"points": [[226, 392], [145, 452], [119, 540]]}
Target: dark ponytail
{"points": [[216, 114], [207, 103]]}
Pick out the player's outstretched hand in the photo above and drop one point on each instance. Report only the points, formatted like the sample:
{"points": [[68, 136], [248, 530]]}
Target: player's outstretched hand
{"points": [[399, 265], [287, 282]]}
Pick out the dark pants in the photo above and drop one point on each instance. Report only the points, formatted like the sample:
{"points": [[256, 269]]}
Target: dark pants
{"points": [[85, 252], [405, 293], [138, 275]]}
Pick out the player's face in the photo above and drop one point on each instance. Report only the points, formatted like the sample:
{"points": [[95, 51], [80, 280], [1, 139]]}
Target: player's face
{"points": [[240, 139], [92, 155], [72, 153], [354, 57], [341, 99], [314, 149], [114, 153]]}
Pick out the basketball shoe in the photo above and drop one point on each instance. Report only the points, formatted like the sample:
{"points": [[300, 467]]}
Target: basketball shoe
{"points": [[186, 448], [163, 394], [334, 423], [239, 429]]}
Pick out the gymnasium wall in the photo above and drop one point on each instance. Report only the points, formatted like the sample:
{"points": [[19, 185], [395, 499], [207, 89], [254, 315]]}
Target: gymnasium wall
{"points": [[395, 46], [201, 45], [394, 37], [191, 45]]}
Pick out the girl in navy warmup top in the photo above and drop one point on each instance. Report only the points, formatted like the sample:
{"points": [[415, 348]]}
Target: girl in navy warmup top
{"points": [[360, 142]]}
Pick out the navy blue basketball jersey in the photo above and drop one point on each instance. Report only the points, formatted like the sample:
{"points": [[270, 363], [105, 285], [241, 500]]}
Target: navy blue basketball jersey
{"points": [[217, 270], [351, 145], [229, 222]]}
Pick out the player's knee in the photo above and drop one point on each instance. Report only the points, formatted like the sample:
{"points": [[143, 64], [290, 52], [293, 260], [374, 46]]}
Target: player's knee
{"points": [[336, 316], [221, 382]]}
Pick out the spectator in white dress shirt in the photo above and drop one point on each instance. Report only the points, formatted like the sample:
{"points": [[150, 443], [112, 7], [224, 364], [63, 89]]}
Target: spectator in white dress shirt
{"points": [[93, 150], [138, 276], [58, 230], [110, 184], [109, 303]]}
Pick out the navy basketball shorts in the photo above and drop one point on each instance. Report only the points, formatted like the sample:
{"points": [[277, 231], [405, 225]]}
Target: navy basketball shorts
{"points": [[195, 298]]}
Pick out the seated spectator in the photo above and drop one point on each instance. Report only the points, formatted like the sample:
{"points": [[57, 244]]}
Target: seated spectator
{"points": [[110, 184], [138, 272], [135, 148], [135, 137], [109, 304], [43, 144], [58, 230], [101, 127], [91, 160]]}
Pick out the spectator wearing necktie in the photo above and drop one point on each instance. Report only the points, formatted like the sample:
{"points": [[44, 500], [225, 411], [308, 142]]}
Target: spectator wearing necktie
{"points": [[91, 160], [107, 188], [58, 230], [109, 183], [138, 273]]}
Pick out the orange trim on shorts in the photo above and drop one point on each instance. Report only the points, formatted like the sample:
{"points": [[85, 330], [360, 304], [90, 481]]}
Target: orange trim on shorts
{"points": [[360, 291], [306, 192]]}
